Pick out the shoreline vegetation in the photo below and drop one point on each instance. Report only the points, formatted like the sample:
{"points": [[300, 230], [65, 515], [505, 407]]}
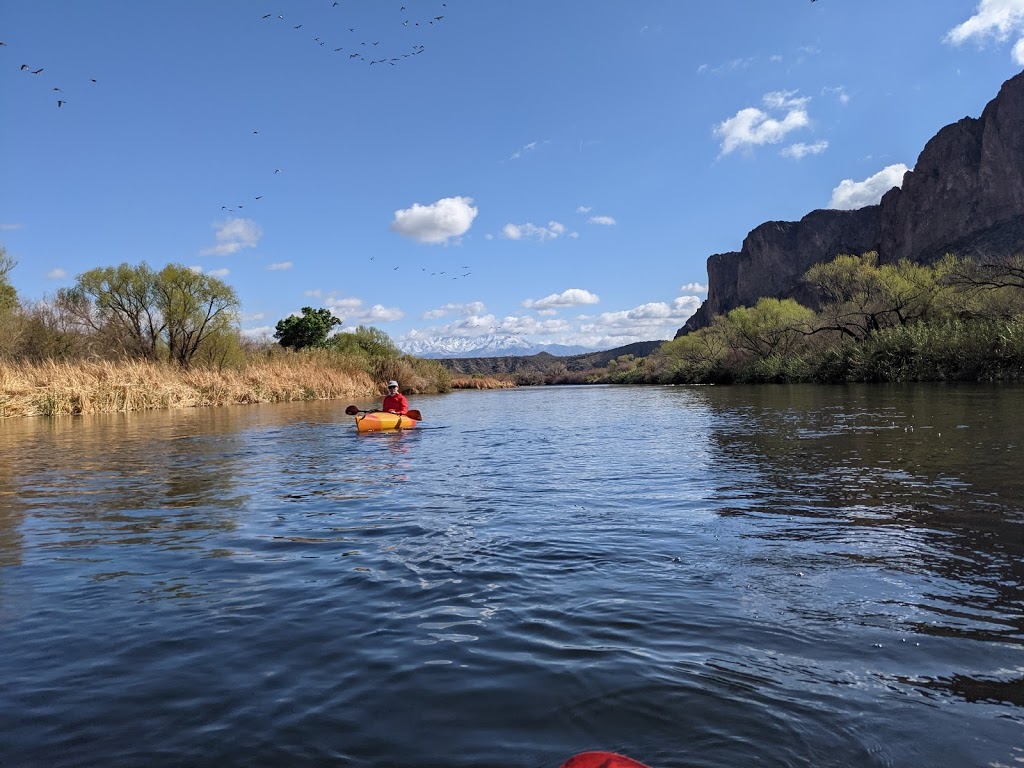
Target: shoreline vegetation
{"points": [[66, 388], [53, 388], [954, 320], [129, 338]]}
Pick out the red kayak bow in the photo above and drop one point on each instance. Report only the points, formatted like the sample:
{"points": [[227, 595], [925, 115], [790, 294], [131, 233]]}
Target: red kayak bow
{"points": [[601, 760]]}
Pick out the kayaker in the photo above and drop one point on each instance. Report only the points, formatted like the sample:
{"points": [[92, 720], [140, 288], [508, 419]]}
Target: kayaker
{"points": [[395, 401]]}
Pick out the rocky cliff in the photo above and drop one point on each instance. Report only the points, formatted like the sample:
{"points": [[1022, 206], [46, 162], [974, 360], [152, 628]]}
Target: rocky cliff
{"points": [[965, 195]]}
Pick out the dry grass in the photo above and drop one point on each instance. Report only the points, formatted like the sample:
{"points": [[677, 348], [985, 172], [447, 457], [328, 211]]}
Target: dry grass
{"points": [[482, 382], [52, 388]]}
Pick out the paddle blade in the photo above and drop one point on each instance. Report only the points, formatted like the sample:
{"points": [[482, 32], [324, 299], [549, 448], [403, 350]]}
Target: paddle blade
{"points": [[415, 415], [351, 410], [601, 760]]}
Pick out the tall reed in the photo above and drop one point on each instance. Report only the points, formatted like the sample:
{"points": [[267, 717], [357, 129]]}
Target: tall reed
{"points": [[52, 388], [481, 382]]}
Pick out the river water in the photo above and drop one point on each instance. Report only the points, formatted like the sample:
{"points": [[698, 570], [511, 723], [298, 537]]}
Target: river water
{"points": [[771, 576]]}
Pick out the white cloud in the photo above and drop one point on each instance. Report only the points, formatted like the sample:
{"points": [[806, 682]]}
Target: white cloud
{"points": [[606, 221], [655, 320], [516, 325], [252, 317], [573, 297], [279, 266], [752, 127], [733, 65], [583, 209], [436, 223], [693, 288], [472, 308], [232, 236], [10, 227], [996, 19], [526, 149], [839, 92], [222, 272], [351, 311], [800, 150], [261, 332], [468, 327], [56, 274], [851, 194], [533, 232]]}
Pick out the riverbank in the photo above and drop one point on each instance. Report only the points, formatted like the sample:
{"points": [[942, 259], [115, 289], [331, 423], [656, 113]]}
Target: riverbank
{"points": [[56, 388], [482, 382]]}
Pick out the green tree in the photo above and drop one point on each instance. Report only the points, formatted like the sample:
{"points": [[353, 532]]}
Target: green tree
{"points": [[365, 339], [692, 357], [194, 307], [118, 303], [151, 314], [988, 290], [8, 296], [310, 329], [861, 298], [770, 327], [374, 348]]}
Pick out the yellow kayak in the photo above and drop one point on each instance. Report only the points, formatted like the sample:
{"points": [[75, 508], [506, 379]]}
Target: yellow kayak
{"points": [[378, 421]]}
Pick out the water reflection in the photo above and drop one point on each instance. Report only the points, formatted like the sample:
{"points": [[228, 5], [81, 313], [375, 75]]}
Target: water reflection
{"points": [[922, 482], [698, 576]]}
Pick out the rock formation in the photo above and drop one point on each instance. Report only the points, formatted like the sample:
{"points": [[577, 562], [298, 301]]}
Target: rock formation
{"points": [[965, 195]]}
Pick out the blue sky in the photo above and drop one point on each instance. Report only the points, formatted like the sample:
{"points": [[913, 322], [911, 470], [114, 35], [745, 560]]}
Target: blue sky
{"points": [[555, 170]]}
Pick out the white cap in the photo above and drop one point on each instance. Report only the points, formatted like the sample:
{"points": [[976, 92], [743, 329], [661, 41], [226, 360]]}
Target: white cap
{"points": [[392, 384]]}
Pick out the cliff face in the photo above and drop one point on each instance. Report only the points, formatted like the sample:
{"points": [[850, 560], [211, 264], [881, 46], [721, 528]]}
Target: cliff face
{"points": [[965, 195]]}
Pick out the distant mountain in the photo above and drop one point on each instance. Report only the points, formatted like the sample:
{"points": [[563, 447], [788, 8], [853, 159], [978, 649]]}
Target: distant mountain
{"points": [[543, 361], [491, 345]]}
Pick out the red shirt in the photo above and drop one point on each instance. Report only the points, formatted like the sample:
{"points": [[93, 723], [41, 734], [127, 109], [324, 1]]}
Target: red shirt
{"points": [[395, 403]]}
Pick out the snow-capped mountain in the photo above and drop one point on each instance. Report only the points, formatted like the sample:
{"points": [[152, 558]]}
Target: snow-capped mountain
{"points": [[491, 345]]}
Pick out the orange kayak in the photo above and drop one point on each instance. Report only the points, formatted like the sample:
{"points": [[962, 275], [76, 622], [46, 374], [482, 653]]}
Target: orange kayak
{"points": [[601, 760], [378, 421]]}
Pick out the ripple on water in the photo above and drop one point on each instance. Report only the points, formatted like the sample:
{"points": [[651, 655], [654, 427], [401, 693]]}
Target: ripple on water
{"points": [[700, 577]]}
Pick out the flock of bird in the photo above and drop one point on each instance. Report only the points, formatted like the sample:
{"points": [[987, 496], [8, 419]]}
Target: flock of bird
{"points": [[28, 69], [354, 50], [366, 51], [347, 43]]}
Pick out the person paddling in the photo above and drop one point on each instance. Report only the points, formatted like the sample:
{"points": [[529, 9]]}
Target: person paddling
{"points": [[395, 401]]}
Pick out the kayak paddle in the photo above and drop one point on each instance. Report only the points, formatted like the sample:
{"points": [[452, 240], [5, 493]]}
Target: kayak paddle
{"points": [[414, 415], [601, 760]]}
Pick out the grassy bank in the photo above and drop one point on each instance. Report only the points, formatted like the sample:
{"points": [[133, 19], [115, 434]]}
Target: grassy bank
{"points": [[481, 382], [52, 388]]}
